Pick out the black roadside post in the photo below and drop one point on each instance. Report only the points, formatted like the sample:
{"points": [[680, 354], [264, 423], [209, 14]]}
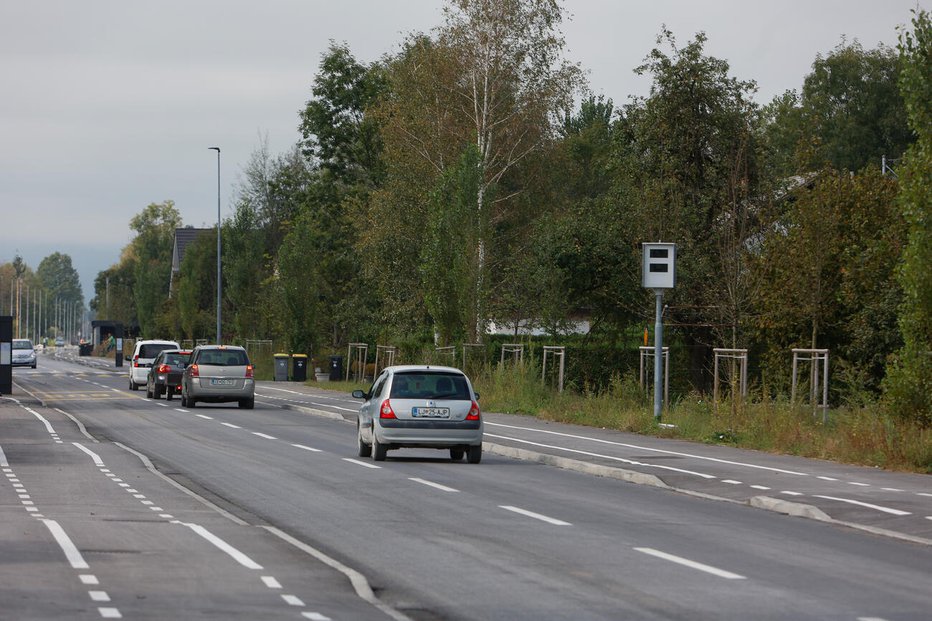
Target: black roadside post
{"points": [[118, 335], [6, 355]]}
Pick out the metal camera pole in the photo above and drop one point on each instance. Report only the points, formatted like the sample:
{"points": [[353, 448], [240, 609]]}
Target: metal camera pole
{"points": [[658, 353], [659, 274]]}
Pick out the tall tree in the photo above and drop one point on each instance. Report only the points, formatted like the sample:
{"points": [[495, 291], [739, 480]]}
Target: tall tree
{"points": [[155, 229], [910, 386], [849, 113], [692, 158]]}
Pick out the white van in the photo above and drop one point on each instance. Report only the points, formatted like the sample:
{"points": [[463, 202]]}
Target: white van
{"points": [[143, 355]]}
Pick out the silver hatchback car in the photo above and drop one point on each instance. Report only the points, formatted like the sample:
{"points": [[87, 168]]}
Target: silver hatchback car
{"points": [[420, 407], [218, 373]]}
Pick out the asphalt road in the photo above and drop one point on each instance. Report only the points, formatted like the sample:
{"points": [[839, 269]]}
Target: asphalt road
{"points": [[504, 539]]}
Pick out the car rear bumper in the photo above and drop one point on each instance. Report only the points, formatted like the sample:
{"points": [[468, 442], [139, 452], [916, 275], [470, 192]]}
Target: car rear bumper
{"points": [[432, 434], [205, 392]]}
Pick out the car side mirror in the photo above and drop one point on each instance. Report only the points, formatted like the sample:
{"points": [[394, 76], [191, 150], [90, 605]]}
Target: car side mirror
{"points": [[477, 396], [358, 394]]}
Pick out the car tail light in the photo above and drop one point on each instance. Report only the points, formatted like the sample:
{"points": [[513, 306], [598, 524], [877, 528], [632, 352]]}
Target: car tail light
{"points": [[248, 371], [194, 371], [164, 368], [473, 412], [386, 410], [135, 361]]}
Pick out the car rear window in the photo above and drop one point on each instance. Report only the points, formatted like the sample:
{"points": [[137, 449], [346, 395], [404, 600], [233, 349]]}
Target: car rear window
{"points": [[430, 386], [176, 359], [151, 350], [224, 358], [22, 344]]}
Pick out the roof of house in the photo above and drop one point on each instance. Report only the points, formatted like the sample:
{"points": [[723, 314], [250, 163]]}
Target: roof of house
{"points": [[183, 237]]}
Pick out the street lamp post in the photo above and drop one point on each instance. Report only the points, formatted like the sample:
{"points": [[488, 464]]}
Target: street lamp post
{"points": [[217, 149]]}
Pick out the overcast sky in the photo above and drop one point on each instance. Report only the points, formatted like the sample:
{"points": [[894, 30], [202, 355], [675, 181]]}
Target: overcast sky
{"points": [[109, 105]]}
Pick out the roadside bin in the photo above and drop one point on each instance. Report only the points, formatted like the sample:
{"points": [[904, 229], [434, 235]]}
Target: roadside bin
{"points": [[336, 368], [298, 367], [85, 349], [281, 367]]}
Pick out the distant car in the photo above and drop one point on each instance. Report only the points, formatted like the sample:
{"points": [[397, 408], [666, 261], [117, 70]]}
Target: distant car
{"points": [[216, 374], [420, 407], [165, 373], [23, 354], [59, 342], [143, 354]]}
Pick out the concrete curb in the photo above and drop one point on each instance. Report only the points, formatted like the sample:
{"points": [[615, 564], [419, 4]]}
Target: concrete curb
{"points": [[796, 509], [575, 465]]}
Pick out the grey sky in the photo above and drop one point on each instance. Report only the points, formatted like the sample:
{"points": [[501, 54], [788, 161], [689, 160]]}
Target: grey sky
{"points": [[109, 105]]}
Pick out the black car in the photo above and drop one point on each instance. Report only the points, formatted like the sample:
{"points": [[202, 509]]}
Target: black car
{"points": [[165, 373]]}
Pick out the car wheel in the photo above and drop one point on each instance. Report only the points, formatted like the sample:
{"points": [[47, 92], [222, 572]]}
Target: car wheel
{"points": [[474, 454], [156, 391], [148, 392], [379, 450], [133, 386], [362, 449], [456, 454], [33, 366], [168, 394], [247, 404]]}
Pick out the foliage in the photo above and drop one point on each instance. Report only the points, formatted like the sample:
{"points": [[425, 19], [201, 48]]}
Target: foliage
{"points": [[910, 386], [850, 113], [155, 232]]}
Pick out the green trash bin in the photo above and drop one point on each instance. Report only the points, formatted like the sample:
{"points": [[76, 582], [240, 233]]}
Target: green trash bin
{"points": [[298, 367], [281, 367]]}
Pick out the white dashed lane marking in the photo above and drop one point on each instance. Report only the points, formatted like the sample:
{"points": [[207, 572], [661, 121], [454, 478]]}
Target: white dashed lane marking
{"points": [[536, 516], [715, 571], [361, 463], [443, 488]]}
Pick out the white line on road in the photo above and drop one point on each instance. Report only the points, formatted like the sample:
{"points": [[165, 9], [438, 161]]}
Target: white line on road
{"points": [[609, 457], [865, 504], [647, 448], [238, 556], [731, 482], [99, 596], [536, 516], [891, 489], [97, 460], [89, 579], [48, 425], [80, 425], [315, 616], [3, 462], [271, 582], [64, 542], [827, 478], [715, 571], [791, 493], [859, 484], [432, 484], [292, 600], [306, 448], [871, 619], [181, 410], [923, 494], [264, 435], [231, 425], [110, 613], [204, 416], [763, 487], [361, 463]]}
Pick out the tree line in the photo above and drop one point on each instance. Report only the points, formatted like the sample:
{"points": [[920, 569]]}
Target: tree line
{"points": [[472, 176]]}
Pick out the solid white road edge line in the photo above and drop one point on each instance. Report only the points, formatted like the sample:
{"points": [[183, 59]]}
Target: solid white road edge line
{"points": [[359, 582], [647, 448], [3, 462], [151, 468], [237, 556], [432, 484], [97, 460], [80, 425], [64, 542], [715, 571], [609, 457], [48, 425], [865, 504], [536, 516]]}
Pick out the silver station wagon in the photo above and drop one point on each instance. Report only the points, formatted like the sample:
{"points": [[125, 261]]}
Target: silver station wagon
{"points": [[218, 373], [420, 407]]}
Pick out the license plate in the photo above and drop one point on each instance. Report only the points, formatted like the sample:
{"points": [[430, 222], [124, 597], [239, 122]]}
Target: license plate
{"points": [[430, 412], [222, 382]]}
